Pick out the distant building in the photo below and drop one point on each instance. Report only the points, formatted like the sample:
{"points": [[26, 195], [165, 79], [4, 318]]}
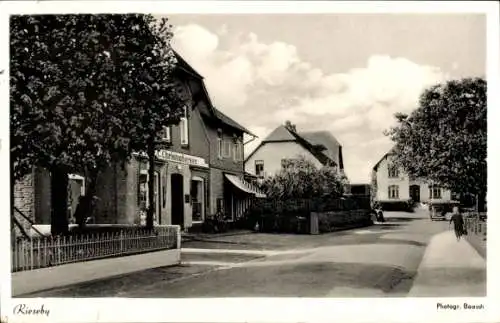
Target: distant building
{"points": [[285, 142], [359, 189], [392, 184]]}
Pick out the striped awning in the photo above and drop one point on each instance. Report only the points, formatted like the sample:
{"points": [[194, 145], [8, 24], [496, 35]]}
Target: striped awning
{"points": [[244, 186]]}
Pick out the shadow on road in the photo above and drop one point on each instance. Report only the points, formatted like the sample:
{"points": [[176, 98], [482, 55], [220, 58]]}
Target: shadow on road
{"points": [[389, 226], [401, 219]]}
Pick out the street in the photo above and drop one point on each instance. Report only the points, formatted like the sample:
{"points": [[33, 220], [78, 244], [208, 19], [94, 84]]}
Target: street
{"points": [[377, 261]]}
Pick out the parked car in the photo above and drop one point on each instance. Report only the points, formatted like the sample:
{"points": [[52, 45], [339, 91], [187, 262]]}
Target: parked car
{"points": [[439, 209]]}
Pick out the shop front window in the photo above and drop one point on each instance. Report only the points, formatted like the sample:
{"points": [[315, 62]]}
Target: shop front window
{"points": [[143, 198]]}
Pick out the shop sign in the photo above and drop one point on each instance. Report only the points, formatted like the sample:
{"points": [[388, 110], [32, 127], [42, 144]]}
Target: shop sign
{"points": [[167, 155]]}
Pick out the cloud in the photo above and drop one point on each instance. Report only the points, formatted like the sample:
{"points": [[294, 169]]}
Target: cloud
{"points": [[263, 84]]}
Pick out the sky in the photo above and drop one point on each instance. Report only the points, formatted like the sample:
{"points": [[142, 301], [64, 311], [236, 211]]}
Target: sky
{"points": [[344, 73]]}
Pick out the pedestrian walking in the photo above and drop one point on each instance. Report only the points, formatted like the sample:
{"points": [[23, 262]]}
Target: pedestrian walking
{"points": [[458, 222]]}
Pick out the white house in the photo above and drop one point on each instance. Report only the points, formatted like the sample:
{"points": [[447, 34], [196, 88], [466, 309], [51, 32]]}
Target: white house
{"points": [[284, 142], [392, 184]]}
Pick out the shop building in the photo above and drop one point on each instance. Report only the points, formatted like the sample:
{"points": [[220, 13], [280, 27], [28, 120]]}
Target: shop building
{"points": [[199, 171]]}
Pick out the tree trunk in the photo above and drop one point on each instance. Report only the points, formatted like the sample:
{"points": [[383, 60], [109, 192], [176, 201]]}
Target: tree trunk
{"points": [[59, 201], [12, 212], [481, 202], [151, 185]]}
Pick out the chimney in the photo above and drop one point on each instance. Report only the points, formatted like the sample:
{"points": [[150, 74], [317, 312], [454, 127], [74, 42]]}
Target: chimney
{"points": [[290, 126]]}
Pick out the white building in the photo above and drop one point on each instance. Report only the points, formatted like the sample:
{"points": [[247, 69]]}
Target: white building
{"points": [[392, 184], [319, 147]]}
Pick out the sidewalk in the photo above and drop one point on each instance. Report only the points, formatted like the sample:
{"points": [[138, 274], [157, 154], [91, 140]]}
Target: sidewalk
{"points": [[450, 269], [30, 281]]}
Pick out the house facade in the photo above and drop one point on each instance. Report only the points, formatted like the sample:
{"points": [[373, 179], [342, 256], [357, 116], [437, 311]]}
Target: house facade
{"points": [[285, 142], [199, 170], [199, 173], [392, 184]]}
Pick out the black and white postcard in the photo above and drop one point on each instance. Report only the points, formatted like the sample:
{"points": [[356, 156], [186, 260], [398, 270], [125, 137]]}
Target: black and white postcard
{"points": [[249, 161]]}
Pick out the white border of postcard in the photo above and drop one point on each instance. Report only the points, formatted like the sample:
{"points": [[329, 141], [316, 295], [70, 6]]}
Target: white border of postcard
{"points": [[256, 309]]}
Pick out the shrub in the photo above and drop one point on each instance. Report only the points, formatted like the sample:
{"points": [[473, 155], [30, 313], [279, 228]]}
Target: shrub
{"points": [[400, 205], [299, 178]]}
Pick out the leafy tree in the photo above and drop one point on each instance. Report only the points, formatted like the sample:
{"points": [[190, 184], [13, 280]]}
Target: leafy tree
{"points": [[81, 86], [158, 97], [299, 178], [444, 139]]}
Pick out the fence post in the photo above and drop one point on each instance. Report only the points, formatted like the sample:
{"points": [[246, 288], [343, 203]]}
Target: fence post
{"points": [[121, 241], [31, 252], [178, 232]]}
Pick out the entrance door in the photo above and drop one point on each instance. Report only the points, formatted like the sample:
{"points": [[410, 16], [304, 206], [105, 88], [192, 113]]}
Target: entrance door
{"points": [[415, 193], [177, 194], [197, 199]]}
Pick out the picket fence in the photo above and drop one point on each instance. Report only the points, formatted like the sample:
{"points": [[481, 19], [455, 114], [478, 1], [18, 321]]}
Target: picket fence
{"points": [[47, 251], [475, 226]]}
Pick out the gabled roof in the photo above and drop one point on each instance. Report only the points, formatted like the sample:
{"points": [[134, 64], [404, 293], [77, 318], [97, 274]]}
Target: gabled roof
{"points": [[390, 152], [381, 159], [284, 134], [279, 134], [183, 65], [333, 149], [326, 139], [230, 122]]}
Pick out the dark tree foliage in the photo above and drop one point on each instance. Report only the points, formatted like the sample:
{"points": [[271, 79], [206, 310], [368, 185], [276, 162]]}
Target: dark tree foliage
{"points": [[444, 140], [86, 91], [299, 178]]}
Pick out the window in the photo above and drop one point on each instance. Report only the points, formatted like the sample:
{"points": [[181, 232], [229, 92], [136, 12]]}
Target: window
{"points": [[393, 171], [165, 134], [227, 148], [434, 192], [393, 192], [259, 167], [238, 151], [184, 126], [219, 146]]}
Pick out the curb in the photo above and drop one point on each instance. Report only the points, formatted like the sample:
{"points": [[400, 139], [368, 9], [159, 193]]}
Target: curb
{"points": [[205, 236]]}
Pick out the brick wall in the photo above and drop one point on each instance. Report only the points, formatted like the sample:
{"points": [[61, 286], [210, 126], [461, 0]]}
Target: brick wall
{"points": [[106, 206], [216, 188], [117, 191], [24, 195], [198, 141], [24, 200]]}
